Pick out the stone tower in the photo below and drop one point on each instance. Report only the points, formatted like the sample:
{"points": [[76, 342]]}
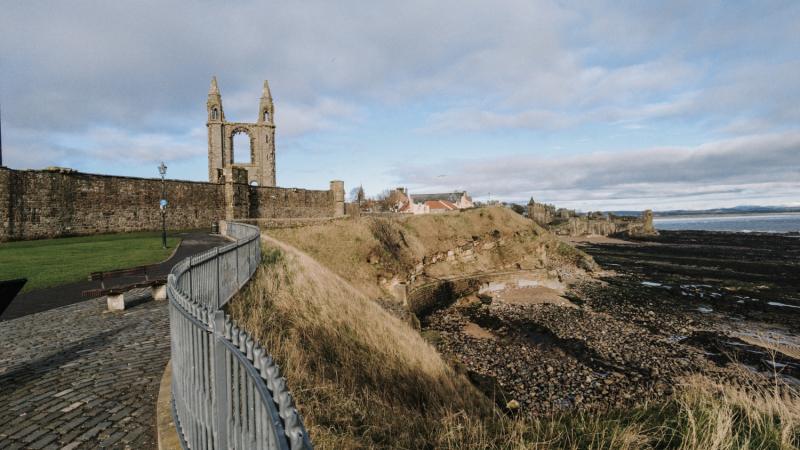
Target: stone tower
{"points": [[647, 218], [261, 168]]}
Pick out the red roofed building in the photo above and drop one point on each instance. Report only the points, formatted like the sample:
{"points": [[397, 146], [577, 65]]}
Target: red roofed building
{"points": [[432, 203], [440, 206]]}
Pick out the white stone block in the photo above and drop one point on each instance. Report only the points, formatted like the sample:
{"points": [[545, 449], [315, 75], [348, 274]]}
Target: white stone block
{"points": [[116, 302], [159, 292], [496, 286], [528, 283]]}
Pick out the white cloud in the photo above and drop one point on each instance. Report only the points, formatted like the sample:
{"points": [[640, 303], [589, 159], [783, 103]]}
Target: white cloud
{"points": [[128, 80], [757, 163], [297, 119]]}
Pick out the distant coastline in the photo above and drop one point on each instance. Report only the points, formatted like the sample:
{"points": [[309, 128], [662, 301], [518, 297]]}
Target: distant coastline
{"points": [[784, 222], [730, 214]]}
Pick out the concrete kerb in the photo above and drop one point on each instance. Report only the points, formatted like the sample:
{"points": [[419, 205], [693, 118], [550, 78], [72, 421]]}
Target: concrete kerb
{"points": [[167, 433]]}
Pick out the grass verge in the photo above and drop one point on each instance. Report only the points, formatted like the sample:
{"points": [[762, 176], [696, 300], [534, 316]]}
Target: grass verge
{"points": [[52, 262]]}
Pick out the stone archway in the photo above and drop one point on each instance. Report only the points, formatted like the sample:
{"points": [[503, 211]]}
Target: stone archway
{"points": [[237, 155], [221, 151]]}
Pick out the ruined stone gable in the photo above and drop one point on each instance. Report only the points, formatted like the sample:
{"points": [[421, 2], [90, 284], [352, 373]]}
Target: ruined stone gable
{"points": [[261, 168]]}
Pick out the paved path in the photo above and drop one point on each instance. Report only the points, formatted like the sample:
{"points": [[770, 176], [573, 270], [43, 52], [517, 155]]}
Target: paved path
{"points": [[81, 377], [67, 294]]}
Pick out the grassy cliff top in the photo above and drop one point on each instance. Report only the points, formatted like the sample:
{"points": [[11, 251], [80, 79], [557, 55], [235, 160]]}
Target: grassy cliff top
{"points": [[367, 250]]}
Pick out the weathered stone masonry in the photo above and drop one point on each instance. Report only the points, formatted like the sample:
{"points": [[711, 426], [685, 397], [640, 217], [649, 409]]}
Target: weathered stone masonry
{"points": [[41, 204], [566, 222], [56, 202], [38, 204]]}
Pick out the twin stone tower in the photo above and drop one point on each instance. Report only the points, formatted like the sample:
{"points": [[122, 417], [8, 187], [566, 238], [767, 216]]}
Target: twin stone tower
{"points": [[261, 168]]}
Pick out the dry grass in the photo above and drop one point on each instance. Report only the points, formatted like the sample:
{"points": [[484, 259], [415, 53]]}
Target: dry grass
{"points": [[344, 246], [771, 345], [363, 379]]}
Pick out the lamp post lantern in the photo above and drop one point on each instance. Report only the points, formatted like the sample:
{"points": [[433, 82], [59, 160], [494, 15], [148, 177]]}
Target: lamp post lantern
{"points": [[162, 169]]}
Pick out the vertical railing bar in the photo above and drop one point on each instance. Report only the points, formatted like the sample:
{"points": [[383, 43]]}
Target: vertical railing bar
{"points": [[220, 401]]}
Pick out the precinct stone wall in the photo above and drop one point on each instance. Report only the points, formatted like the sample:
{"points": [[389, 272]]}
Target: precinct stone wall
{"points": [[43, 204], [40, 204], [290, 203]]}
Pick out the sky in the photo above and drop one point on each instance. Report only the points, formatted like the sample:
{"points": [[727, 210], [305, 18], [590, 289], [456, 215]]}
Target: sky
{"points": [[603, 105]]}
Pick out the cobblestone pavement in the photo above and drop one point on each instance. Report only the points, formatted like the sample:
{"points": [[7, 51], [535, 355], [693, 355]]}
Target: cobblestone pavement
{"points": [[82, 377]]}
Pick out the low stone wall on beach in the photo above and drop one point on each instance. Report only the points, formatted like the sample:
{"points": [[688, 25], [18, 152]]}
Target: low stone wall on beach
{"points": [[424, 298]]}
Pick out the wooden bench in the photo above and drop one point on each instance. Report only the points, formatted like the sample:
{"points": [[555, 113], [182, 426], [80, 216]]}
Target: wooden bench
{"points": [[131, 271], [116, 294]]}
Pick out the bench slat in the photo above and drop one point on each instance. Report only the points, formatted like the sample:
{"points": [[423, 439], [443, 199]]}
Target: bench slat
{"points": [[116, 290], [94, 276]]}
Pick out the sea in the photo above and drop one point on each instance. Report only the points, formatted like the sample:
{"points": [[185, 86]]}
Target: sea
{"points": [[766, 223]]}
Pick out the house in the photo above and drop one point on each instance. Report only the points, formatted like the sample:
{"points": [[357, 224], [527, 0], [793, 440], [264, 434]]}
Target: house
{"points": [[430, 203], [414, 208], [440, 206], [457, 198]]}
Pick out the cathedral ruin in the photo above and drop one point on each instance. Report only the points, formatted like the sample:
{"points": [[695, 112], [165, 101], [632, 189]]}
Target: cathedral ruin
{"points": [[261, 168]]}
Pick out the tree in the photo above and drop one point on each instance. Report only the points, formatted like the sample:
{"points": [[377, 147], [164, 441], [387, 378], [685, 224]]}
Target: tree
{"points": [[387, 200], [352, 197], [519, 209]]}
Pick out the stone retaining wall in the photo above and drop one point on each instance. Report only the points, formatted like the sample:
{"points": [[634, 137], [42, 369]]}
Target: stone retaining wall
{"points": [[287, 223], [428, 297]]}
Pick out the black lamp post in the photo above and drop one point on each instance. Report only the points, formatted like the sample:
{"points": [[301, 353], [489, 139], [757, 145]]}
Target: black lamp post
{"points": [[163, 170]]}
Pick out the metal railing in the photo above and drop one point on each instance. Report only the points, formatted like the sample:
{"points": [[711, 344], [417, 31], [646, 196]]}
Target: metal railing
{"points": [[226, 391]]}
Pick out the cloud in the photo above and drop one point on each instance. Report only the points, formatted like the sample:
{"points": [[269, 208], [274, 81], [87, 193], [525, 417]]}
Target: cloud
{"points": [[730, 166], [111, 81], [327, 114], [98, 146]]}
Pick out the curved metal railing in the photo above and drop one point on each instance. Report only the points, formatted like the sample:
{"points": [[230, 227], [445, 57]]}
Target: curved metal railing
{"points": [[226, 391]]}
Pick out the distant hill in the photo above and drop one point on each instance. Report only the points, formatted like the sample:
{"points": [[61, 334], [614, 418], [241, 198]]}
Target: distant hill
{"points": [[734, 210], [713, 212]]}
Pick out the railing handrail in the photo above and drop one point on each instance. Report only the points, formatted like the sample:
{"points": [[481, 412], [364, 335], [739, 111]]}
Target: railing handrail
{"points": [[227, 391]]}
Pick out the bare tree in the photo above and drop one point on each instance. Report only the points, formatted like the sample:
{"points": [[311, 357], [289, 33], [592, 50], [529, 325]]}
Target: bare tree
{"points": [[352, 197], [387, 200], [519, 209]]}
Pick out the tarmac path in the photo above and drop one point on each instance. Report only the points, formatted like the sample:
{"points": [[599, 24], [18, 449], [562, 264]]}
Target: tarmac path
{"points": [[79, 376]]}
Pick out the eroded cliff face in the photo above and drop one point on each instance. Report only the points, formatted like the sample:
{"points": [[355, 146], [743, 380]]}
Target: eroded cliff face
{"points": [[379, 254], [470, 249]]}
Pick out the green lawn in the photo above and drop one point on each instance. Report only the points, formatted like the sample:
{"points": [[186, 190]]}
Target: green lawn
{"points": [[52, 262]]}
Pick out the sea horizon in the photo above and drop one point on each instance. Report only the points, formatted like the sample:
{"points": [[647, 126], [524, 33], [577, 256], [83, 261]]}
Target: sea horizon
{"points": [[743, 223]]}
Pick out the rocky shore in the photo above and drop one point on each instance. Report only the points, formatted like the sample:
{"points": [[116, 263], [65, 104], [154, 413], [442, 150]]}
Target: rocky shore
{"points": [[642, 326]]}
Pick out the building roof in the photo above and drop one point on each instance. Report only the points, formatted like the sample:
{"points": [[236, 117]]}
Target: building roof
{"points": [[452, 197], [445, 205]]}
